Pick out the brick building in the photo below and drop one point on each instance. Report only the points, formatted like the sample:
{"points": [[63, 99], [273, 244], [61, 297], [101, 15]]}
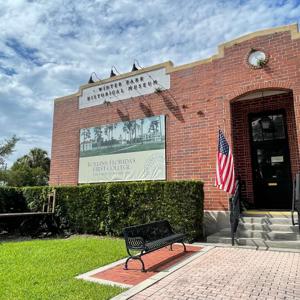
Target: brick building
{"points": [[250, 89]]}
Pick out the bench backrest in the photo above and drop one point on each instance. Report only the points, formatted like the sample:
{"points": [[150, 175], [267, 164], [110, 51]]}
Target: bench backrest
{"points": [[150, 231]]}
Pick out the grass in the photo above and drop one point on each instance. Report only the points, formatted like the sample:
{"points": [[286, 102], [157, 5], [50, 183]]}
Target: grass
{"points": [[45, 269]]}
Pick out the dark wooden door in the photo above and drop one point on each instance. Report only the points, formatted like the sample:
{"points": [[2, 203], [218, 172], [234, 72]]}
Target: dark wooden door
{"points": [[272, 180]]}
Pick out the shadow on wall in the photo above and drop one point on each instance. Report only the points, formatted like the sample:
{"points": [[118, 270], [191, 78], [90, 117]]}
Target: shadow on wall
{"points": [[172, 105], [122, 116], [148, 112]]}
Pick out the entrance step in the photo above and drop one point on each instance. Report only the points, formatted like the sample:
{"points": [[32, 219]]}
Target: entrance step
{"points": [[266, 220], [266, 235], [268, 227], [267, 213], [262, 229], [255, 242]]}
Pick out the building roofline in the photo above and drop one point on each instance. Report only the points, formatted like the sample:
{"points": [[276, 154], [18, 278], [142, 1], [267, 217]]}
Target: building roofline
{"points": [[168, 65]]}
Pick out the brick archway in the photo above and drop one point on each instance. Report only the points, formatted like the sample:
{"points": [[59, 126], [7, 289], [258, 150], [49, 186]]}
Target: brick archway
{"points": [[251, 88], [240, 131]]}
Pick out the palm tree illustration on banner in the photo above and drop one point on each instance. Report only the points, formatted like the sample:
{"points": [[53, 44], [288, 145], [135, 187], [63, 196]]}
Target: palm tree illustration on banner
{"points": [[129, 128], [86, 134], [154, 128], [98, 135]]}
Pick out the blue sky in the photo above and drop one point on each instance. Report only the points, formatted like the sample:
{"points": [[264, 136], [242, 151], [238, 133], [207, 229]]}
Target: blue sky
{"points": [[49, 48]]}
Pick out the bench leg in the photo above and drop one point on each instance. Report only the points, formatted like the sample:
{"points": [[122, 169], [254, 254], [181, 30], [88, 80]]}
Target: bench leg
{"points": [[126, 263], [143, 265], [171, 248], [184, 246], [135, 257]]}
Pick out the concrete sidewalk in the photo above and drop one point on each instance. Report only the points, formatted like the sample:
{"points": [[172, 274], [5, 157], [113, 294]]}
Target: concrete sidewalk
{"points": [[232, 273]]}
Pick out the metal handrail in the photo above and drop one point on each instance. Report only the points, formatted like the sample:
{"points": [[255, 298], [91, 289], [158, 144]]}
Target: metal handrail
{"points": [[235, 210], [296, 200]]}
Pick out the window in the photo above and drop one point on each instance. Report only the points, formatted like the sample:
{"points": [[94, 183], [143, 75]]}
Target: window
{"points": [[268, 127]]}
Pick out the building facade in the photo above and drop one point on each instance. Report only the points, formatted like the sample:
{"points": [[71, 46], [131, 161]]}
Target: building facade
{"points": [[250, 89]]}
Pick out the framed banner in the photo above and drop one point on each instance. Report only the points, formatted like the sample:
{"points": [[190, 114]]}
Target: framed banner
{"points": [[125, 151]]}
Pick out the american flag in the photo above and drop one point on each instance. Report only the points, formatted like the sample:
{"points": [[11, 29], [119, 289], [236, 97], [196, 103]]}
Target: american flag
{"points": [[225, 177]]}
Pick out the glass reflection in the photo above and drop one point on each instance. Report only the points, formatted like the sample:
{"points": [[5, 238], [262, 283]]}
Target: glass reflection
{"points": [[268, 128]]}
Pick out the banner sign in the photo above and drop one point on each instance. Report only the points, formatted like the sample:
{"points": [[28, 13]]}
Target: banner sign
{"points": [[132, 86], [124, 151]]}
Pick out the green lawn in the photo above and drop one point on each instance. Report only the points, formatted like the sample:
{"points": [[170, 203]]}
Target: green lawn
{"points": [[45, 269]]}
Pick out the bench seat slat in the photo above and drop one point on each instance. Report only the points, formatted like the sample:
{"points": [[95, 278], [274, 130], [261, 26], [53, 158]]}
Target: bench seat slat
{"points": [[164, 241], [24, 214]]}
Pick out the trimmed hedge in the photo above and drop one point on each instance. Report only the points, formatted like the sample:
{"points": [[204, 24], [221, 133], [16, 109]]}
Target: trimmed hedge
{"points": [[108, 208]]}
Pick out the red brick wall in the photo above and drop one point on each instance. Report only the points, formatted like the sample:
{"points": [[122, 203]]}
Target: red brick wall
{"points": [[195, 105], [241, 135]]}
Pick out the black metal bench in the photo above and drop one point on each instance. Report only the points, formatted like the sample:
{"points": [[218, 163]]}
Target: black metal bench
{"points": [[149, 237], [31, 223]]}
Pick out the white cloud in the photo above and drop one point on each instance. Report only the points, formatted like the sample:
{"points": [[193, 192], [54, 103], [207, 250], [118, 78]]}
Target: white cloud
{"points": [[53, 46]]}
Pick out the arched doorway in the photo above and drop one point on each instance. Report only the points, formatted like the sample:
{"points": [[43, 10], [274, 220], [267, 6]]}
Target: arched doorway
{"points": [[265, 147]]}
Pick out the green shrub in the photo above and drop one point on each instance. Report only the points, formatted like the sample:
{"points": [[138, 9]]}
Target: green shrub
{"points": [[35, 197], [184, 206], [108, 208], [84, 207], [133, 203]]}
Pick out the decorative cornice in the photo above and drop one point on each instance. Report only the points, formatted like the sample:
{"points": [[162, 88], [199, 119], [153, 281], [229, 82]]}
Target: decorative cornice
{"points": [[293, 28]]}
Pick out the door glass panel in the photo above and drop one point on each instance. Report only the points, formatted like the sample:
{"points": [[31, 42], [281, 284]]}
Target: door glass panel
{"points": [[270, 161], [268, 127]]}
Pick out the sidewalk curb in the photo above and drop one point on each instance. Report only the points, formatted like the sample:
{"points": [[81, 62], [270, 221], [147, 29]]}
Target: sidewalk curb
{"points": [[87, 276]]}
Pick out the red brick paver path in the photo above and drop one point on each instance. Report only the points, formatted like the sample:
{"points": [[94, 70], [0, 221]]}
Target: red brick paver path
{"points": [[156, 261], [231, 273]]}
